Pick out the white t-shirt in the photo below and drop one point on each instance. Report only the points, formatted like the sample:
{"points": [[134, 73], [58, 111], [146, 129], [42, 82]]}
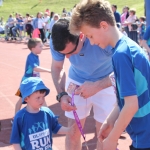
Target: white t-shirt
{"points": [[40, 23], [46, 22]]}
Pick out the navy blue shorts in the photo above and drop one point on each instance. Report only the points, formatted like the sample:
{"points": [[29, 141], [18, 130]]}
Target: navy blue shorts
{"points": [[132, 148]]}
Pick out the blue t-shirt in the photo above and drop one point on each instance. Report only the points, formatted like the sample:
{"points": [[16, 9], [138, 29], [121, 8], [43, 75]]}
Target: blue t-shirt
{"points": [[132, 72], [31, 62], [91, 64], [34, 130], [147, 36]]}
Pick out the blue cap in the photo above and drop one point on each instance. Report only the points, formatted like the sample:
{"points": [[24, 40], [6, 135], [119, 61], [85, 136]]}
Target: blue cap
{"points": [[31, 85]]}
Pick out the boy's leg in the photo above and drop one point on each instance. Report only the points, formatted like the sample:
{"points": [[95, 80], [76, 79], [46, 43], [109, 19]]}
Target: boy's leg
{"points": [[74, 142], [18, 105], [98, 125]]}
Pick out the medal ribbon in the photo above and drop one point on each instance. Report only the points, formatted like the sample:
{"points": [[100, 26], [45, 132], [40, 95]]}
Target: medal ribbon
{"points": [[77, 120]]}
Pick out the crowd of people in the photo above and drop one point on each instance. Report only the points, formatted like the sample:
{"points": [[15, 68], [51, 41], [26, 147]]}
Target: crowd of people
{"points": [[19, 26], [109, 72]]}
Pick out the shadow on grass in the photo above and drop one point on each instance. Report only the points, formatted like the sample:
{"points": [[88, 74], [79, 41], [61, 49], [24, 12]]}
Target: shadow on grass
{"points": [[35, 5]]}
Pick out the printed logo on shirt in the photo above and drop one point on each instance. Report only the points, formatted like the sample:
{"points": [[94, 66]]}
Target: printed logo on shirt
{"points": [[39, 137]]}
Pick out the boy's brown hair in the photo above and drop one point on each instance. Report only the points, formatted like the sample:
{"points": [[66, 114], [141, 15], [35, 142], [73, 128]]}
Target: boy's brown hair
{"points": [[33, 42], [91, 12]]}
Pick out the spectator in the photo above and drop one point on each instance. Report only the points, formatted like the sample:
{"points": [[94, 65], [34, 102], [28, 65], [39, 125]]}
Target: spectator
{"points": [[48, 11], [125, 14], [28, 26], [9, 25], [132, 27], [2, 21], [38, 22], [64, 10], [1, 29], [116, 14], [142, 28]]}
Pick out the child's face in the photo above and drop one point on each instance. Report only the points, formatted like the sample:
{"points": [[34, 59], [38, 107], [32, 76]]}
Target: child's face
{"points": [[35, 100], [38, 48], [95, 35]]}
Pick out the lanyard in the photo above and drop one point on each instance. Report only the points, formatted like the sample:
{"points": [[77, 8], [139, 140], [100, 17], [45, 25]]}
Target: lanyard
{"points": [[78, 121]]}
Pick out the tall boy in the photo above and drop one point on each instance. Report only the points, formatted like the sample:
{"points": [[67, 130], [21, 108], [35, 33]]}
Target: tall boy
{"points": [[33, 125], [95, 19], [32, 68]]}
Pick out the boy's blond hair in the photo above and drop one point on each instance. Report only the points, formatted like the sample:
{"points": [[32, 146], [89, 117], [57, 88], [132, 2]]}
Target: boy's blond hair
{"points": [[91, 13], [33, 42]]}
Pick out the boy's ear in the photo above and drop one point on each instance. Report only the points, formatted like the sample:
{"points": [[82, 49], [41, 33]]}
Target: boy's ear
{"points": [[26, 99], [104, 25]]}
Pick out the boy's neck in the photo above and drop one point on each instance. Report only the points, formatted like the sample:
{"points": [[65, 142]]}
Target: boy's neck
{"points": [[34, 53], [31, 109], [116, 34]]}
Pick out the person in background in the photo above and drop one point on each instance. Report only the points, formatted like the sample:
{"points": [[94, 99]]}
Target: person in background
{"points": [[116, 14], [2, 21], [38, 23], [54, 19], [131, 23], [48, 11], [9, 26], [142, 29], [46, 27], [28, 26]]}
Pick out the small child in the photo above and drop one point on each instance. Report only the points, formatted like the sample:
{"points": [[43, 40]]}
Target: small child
{"points": [[21, 23], [32, 68], [142, 29], [33, 125], [132, 75]]}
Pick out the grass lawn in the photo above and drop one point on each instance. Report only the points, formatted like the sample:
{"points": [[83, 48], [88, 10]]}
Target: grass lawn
{"points": [[33, 6]]}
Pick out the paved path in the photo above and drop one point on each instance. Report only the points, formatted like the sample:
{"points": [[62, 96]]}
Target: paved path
{"points": [[12, 64]]}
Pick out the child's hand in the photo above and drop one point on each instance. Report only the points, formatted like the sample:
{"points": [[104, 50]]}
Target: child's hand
{"points": [[72, 129], [109, 144], [104, 131]]}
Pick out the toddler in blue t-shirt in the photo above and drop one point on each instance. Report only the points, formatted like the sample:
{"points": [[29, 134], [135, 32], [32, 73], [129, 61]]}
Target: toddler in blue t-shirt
{"points": [[33, 125], [32, 68]]}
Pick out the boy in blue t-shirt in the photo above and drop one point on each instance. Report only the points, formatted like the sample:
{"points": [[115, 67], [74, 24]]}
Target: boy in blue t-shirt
{"points": [[32, 68], [132, 75], [33, 125]]}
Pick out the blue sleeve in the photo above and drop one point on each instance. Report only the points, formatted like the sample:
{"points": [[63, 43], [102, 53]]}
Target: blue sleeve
{"points": [[15, 137], [33, 62], [54, 122], [147, 34], [55, 126], [56, 55], [124, 73], [34, 23]]}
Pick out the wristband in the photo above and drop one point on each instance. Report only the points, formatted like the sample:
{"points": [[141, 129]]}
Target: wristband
{"points": [[58, 97]]}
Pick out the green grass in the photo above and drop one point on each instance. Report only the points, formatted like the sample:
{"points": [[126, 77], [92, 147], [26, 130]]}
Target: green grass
{"points": [[33, 6]]}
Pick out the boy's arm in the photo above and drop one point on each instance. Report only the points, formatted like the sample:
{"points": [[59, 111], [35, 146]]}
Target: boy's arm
{"points": [[17, 146], [126, 115], [40, 69], [108, 124], [67, 130]]}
